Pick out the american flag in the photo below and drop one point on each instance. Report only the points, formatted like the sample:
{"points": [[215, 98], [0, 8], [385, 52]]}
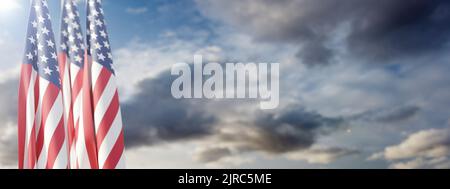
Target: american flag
{"points": [[76, 90], [77, 97], [41, 131], [105, 98]]}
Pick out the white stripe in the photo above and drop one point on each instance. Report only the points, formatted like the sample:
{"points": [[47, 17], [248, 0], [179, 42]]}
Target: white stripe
{"points": [[121, 164], [77, 107], [30, 101], [74, 69], [96, 69], [104, 102], [51, 124], [61, 159], [82, 156], [67, 93], [73, 156], [110, 139]]}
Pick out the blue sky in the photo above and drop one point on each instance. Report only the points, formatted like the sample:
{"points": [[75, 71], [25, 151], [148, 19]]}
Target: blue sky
{"points": [[363, 84]]}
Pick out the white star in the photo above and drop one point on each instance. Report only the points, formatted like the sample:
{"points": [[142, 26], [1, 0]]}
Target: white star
{"points": [[92, 27], [95, 13], [54, 56], [98, 23], [68, 6], [65, 34], [71, 39], [91, 18], [67, 20], [48, 71], [70, 30], [74, 48], [44, 58], [45, 31], [103, 34], [34, 23], [79, 36], [63, 46], [76, 26], [30, 56], [71, 15], [32, 40], [37, 7], [101, 56], [41, 19], [50, 43], [45, 3], [110, 56], [97, 46], [91, 3], [94, 36], [106, 44], [77, 58], [40, 47]]}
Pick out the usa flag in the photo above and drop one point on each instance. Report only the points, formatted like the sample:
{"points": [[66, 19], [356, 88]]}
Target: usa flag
{"points": [[41, 130], [76, 90], [105, 97], [69, 112]]}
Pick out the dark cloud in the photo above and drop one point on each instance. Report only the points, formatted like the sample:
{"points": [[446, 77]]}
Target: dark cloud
{"points": [[293, 129], [389, 115], [8, 138], [290, 130], [8, 100], [153, 115], [377, 31], [212, 154]]}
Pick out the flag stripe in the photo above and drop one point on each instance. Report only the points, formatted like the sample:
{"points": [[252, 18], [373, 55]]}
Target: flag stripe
{"points": [[116, 153]]}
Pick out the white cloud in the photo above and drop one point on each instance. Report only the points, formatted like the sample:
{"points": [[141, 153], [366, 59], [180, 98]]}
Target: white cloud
{"points": [[423, 149], [136, 10], [320, 155], [423, 163]]}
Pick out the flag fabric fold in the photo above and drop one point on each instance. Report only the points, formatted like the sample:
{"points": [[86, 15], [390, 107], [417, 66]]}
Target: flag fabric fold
{"points": [[76, 90], [41, 129], [105, 98]]}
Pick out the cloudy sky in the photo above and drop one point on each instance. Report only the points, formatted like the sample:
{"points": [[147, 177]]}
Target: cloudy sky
{"points": [[363, 83]]}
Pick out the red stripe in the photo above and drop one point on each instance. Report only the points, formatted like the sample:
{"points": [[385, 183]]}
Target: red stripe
{"points": [[56, 143], [32, 148], [108, 119], [77, 85], [62, 64], [22, 106], [50, 96], [100, 85], [32, 158], [115, 154]]}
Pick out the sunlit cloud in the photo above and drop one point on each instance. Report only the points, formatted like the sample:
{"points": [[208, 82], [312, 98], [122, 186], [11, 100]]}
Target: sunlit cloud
{"points": [[8, 5]]}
